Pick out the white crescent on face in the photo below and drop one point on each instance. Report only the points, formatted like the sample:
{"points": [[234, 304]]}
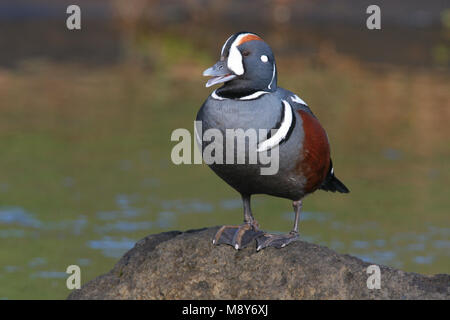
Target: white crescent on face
{"points": [[234, 62]]}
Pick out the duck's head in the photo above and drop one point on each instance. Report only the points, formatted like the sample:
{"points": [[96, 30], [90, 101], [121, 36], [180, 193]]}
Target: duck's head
{"points": [[246, 65]]}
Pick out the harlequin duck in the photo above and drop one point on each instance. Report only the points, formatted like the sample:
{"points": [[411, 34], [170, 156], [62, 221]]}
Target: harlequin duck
{"points": [[250, 99]]}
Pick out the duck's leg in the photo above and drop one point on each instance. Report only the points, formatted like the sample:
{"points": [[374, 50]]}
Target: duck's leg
{"points": [[281, 240], [242, 235]]}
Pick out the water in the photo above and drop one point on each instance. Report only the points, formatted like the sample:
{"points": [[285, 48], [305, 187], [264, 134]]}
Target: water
{"points": [[85, 169], [109, 234]]}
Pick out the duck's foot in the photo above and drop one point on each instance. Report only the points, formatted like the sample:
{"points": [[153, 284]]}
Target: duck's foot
{"points": [[238, 236], [276, 240]]}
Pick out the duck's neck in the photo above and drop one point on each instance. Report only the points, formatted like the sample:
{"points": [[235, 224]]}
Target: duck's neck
{"points": [[239, 88]]}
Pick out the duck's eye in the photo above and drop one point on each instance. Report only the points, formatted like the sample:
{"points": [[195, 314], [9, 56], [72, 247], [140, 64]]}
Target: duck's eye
{"points": [[246, 53], [264, 58]]}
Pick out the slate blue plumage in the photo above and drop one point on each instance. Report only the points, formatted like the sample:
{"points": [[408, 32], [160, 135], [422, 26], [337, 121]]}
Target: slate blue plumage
{"points": [[250, 99]]}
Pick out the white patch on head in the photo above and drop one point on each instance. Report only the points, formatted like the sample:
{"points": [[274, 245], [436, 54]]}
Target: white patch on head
{"points": [[281, 132], [297, 99], [264, 58], [234, 62], [224, 45]]}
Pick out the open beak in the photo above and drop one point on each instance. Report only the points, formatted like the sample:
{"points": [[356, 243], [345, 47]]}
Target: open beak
{"points": [[219, 73]]}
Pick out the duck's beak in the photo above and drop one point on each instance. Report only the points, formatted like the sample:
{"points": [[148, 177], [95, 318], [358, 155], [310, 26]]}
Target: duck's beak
{"points": [[219, 73]]}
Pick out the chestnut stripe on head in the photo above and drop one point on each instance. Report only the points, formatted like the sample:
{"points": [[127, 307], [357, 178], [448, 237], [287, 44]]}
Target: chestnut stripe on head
{"points": [[248, 37]]}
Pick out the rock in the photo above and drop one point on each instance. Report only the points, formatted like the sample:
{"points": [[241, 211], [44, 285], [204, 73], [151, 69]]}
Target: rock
{"points": [[186, 265]]}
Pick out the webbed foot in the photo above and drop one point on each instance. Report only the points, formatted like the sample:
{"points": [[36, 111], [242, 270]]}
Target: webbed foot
{"points": [[276, 240], [238, 236]]}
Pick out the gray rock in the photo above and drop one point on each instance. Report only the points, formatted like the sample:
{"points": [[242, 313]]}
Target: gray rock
{"points": [[186, 265]]}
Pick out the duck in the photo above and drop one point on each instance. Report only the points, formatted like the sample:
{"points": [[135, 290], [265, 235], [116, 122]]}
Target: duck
{"points": [[250, 99]]}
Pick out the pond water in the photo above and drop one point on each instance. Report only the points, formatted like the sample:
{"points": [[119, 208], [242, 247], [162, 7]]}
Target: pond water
{"points": [[85, 169]]}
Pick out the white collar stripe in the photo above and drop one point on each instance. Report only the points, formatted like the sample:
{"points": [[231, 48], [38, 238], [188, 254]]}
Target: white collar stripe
{"points": [[215, 96], [282, 132], [255, 95], [252, 96]]}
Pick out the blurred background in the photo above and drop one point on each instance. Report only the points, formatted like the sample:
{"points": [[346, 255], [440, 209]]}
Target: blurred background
{"points": [[86, 118]]}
